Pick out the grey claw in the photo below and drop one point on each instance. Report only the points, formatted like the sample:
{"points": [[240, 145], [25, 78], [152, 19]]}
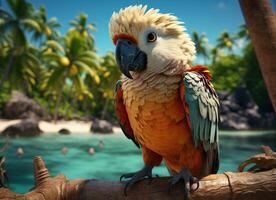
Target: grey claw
{"points": [[184, 177], [136, 177]]}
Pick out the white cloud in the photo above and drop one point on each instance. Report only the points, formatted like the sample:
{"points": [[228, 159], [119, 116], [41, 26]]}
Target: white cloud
{"points": [[221, 5]]}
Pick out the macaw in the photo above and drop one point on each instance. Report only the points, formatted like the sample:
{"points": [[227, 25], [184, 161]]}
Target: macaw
{"points": [[165, 105]]}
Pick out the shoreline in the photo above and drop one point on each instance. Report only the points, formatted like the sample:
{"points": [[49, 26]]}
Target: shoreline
{"points": [[78, 127], [74, 126]]}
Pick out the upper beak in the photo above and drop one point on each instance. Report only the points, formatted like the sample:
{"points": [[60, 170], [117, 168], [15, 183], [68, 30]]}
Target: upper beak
{"points": [[129, 57]]}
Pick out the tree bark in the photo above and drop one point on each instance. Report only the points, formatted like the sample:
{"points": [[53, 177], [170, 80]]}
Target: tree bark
{"points": [[106, 103], [261, 23], [58, 103], [235, 186], [8, 68]]}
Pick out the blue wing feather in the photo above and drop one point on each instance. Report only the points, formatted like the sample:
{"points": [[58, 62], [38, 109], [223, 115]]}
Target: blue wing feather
{"points": [[203, 106]]}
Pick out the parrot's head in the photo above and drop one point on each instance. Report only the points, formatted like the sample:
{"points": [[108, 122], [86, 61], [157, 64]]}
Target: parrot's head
{"points": [[148, 41]]}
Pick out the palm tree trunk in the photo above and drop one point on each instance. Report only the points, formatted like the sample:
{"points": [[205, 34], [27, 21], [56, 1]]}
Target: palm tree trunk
{"points": [[261, 22], [105, 108], [71, 102], [8, 69], [57, 104], [9, 65]]}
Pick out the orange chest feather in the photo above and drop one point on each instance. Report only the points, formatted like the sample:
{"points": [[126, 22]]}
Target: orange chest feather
{"points": [[160, 126]]}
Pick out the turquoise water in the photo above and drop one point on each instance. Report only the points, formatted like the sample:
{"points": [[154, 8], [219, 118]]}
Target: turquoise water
{"points": [[118, 156]]}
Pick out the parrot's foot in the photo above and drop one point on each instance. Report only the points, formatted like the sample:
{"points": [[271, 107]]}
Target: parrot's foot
{"points": [[136, 177], [185, 177]]}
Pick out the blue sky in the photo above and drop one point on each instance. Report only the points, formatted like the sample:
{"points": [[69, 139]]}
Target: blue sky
{"points": [[208, 16]]}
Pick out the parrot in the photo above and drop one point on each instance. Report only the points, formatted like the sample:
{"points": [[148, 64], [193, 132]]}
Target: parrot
{"points": [[165, 105]]}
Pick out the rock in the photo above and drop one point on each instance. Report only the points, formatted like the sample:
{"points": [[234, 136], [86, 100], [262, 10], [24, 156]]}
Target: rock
{"points": [[22, 107], [231, 125], [238, 111], [91, 151], [19, 151], [234, 107], [101, 144], [27, 127], [224, 109], [243, 97], [64, 150], [268, 120], [253, 116], [223, 95], [64, 131], [228, 123], [101, 126]]}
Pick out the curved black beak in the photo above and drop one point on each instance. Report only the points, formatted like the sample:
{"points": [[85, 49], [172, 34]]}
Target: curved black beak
{"points": [[129, 57]]}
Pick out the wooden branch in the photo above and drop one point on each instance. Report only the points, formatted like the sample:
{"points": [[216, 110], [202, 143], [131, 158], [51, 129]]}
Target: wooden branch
{"points": [[261, 23], [229, 185]]}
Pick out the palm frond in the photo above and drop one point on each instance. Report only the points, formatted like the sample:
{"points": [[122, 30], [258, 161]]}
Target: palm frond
{"points": [[31, 25], [55, 45]]}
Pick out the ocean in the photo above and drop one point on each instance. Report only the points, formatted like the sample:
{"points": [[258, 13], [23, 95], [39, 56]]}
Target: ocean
{"points": [[117, 156]]}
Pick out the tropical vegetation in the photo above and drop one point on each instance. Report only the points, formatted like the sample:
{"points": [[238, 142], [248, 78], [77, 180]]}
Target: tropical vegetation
{"points": [[66, 75]]}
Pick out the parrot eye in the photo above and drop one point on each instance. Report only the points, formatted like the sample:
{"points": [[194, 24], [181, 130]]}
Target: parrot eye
{"points": [[151, 37]]}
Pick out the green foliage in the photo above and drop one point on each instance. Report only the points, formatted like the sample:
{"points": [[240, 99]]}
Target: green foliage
{"points": [[65, 74], [229, 70], [254, 80], [69, 61], [227, 73], [48, 27], [226, 41], [110, 74], [17, 23], [201, 44]]}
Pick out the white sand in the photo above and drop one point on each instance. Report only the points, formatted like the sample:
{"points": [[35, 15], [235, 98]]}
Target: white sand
{"points": [[74, 126]]}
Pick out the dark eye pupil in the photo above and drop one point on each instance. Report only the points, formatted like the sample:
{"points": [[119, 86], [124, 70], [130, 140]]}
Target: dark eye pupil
{"points": [[151, 37]]}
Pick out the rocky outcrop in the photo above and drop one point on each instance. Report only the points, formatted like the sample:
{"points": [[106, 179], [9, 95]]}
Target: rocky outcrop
{"points": [[25, 128], [22, 107], [101, 126], [238, 111], [64, 131]]}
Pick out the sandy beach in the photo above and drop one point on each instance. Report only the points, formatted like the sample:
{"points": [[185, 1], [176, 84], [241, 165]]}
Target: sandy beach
{"points": [[74, 126]]}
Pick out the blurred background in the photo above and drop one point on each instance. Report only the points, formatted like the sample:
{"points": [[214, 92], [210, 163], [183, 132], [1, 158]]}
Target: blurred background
{"points": [[57, 79]]}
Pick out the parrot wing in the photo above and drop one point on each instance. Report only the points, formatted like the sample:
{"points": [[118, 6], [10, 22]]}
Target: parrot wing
{"points": [[122, 113], [202, 110]]}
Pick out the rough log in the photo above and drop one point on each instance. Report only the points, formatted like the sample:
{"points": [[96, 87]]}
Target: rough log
{"points": [[251, 185], [261, 22]]}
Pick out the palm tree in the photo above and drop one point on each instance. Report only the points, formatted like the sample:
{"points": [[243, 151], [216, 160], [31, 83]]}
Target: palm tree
{"points": [[47, 26], [225, 40], [260, 20], [216, 53], [110, 74], [81, 25], [24, 71], [14, 25], [243, 32], [69, 62], [201, 43]]}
